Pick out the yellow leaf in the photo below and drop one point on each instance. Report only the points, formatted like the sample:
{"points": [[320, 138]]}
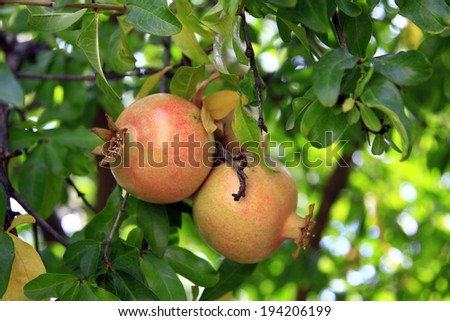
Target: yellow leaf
{"points": [[21, 219], [27, 265], [226, 297], [151, 82], [208, 122], [221, 103]]}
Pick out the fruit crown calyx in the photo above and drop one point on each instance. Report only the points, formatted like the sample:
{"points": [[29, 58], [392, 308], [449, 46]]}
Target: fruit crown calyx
{"points": [[114, 140], [305, 233]]}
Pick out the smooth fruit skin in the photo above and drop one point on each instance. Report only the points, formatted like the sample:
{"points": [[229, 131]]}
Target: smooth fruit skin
{"points": [[167, 154], [251, 229]]}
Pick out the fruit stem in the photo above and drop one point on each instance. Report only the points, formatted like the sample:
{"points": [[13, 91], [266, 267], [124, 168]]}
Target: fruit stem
{"points": [[292, 227], [298, 229], [238, 163]]}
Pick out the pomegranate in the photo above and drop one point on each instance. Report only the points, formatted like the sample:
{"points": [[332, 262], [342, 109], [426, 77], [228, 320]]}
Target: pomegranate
{"points": [[251, 229], [158, 149]]}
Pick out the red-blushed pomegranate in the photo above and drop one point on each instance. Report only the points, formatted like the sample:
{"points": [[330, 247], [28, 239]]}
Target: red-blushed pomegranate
{"points": [[251, 229], [160, 151]]}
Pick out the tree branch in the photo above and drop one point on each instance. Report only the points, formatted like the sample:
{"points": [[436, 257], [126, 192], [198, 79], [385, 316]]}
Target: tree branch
{"points": [[4, 159], [95, 6], [40, 221], [163, 83], [113, 231], [80, 195], [238, 164], [250, 53], [63, 77], [335, 184], [10, 192], [338, 27]]}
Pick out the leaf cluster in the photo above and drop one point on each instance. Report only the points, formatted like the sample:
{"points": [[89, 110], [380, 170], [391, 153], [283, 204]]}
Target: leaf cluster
{"points": [[330, 72]]}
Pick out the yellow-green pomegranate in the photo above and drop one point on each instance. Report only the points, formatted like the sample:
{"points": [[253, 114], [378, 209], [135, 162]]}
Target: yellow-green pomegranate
{"points": [[251, 229], [158, 149]]}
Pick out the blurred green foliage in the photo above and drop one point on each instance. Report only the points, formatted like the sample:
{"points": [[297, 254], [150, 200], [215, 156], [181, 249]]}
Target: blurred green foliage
{"points": [[387, 236]]}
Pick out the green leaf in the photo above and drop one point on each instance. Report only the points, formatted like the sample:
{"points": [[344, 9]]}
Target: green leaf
{"points": [[314, 15], [247, 87], [120, 56], [6, 259], [54, 22], [113, 105], [298, 31], [3, 203], [328, 73], [83, 255], [19, 138], [231, 6], [362, 82], [369, 117], [88, 42], [299, 105], [353, 116], [38, 185], [162, 279], [378, 145], [151, 82], [36, 9], [232, 80], [246, 129], [283, 3], [86, 291], [55, 157], [59, 4], [447, 86], [49, 285], [218, 21], [77, 163], [10, 90], [135, 237], [126, 287], [247, 132], [357, 33], [74, 105], [382, 94], [154, 222], [388, 140], [98, 293], [323, 126], [283, 29], [408, 68], [218, 57], [188, 18], [232, 275], [72, 138], [152, 17], [238, 44], [432, 16], [100, 226], [185, 81], [126, 258], [257, 8], [349, 7], [192, 267], [371, 4], [350, 80], [188, 44]]}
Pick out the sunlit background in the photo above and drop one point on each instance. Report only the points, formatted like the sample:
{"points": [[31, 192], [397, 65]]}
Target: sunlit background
{"points": [[388, 237]]}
